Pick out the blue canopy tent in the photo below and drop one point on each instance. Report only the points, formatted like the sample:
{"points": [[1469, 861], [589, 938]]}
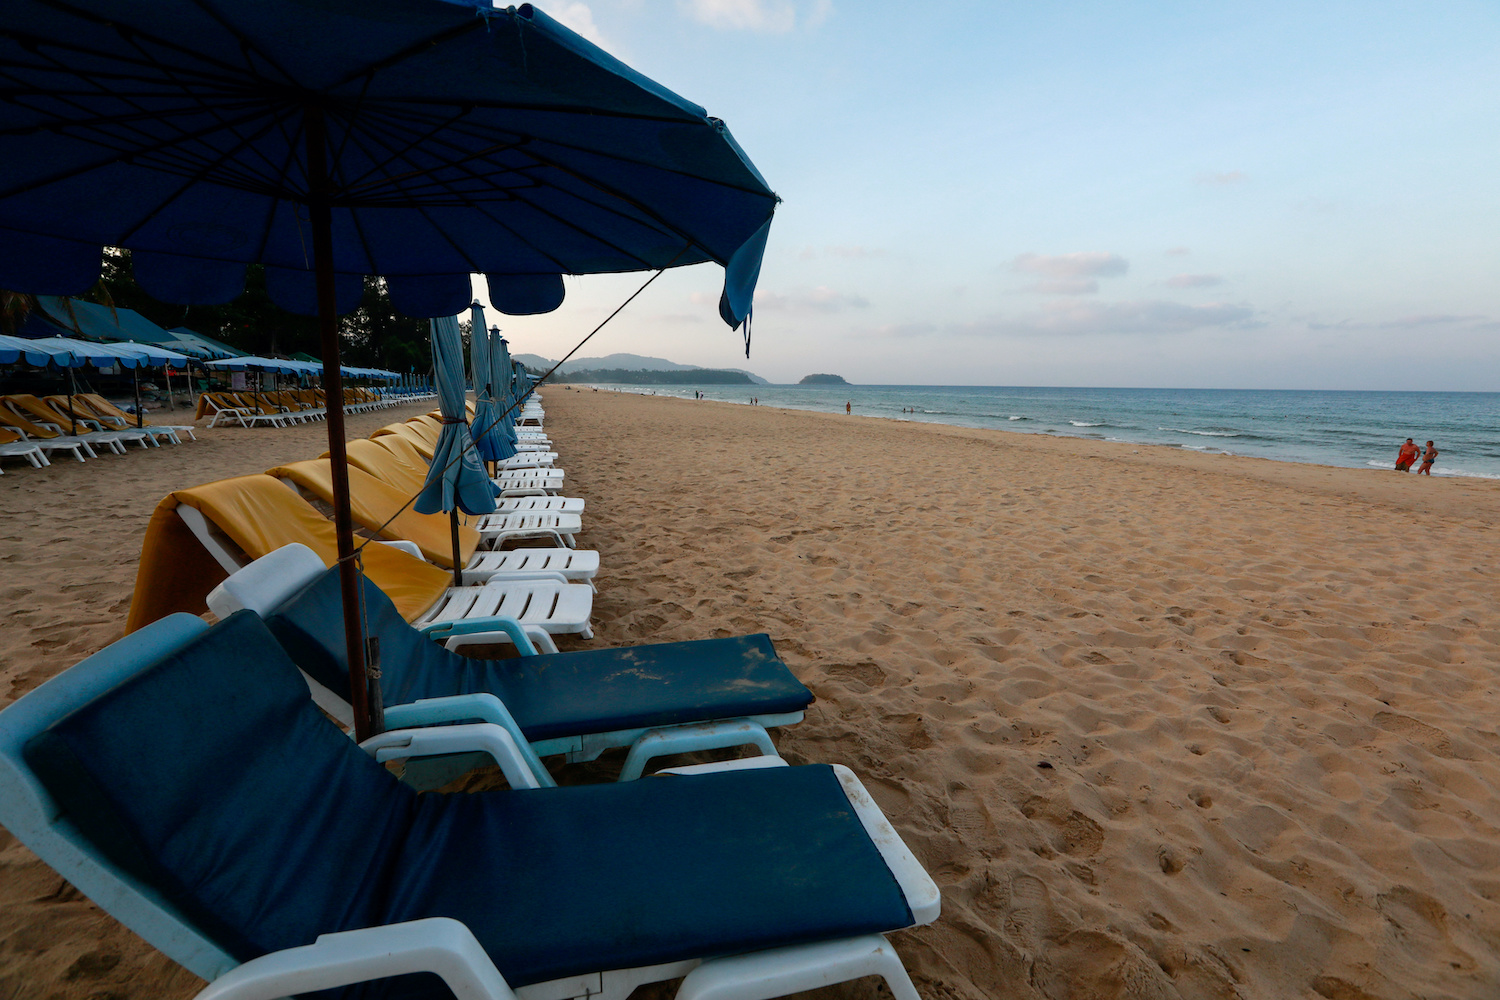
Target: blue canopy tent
{"points": [[328, 140], [196, 343]]}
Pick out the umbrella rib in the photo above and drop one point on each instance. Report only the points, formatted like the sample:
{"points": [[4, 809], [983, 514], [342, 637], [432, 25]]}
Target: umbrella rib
{"points": [[473, 265], [210, 109], [63, 175], [127, 29], [197, 105], [418, 48], [478, 207], [192, 180], [664, 226]]}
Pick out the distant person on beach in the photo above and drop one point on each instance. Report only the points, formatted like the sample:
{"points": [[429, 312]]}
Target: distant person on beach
{"points": [[1406, 456], [1428, 457], [849, 407]]}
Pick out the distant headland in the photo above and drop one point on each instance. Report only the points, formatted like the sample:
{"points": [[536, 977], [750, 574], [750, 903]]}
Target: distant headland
{"points": [[822, 380]]}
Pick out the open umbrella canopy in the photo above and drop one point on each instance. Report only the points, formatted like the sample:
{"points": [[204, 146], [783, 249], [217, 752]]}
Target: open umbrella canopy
{"points": [[253, 363], [459, 138], [328, 140], [85, 352], [19, 350], [156, 355]]}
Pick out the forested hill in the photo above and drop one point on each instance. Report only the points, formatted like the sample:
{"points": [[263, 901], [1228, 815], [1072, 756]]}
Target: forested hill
{"points": [[623, 376]]}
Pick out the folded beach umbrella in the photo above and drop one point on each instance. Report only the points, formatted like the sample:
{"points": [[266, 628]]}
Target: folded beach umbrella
{"points": [[486, 434], [500, 372], [328, 140], [456, 480]]}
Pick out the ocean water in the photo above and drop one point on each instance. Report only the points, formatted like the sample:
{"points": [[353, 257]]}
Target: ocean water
{"points": [[1351, 429]]}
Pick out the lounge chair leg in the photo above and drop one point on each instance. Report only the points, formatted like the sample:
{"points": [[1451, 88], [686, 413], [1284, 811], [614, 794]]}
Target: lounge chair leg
{"points": [[776, 973]]}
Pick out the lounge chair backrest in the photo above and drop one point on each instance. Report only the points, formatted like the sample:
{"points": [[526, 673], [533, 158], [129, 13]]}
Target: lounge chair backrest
{"points": [[268, 582], [310, 625], [35, 818], [382, 507], [11, 418], [384, 462], [410, 455], [208, 775]]}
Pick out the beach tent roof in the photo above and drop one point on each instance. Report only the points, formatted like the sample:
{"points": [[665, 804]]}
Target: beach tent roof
{"points": [[215, 348], [96, 322]]}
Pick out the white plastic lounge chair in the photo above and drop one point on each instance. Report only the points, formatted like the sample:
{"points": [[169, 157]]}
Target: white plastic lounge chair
{"points": [[383, 509], [657, 699], [14, 445], [751, 881], [549, 604]]}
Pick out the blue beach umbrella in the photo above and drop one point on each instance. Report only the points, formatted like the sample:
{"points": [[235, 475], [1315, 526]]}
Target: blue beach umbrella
{"points": [[328, 140], [456, 481], [483, 428], [500, 372]]}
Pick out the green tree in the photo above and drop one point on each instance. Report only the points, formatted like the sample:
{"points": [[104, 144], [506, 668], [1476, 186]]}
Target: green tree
{"points": [[375, 335]]}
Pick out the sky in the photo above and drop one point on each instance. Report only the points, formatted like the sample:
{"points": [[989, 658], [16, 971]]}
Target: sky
{"points": [[1239, 195]]}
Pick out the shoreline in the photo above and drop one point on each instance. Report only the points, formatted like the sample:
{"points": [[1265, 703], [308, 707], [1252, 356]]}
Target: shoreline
{"points": [[682, 392], [1158, 723]]}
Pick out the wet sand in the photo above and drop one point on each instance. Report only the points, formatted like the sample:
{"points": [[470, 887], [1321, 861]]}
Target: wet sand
{"points": [[1161, 724]]}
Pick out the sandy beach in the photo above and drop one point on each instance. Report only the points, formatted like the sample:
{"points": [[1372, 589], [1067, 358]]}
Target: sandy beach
{"points": [[1161, 724]]}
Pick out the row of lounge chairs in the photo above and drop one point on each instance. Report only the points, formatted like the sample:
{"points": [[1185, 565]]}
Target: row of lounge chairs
{"points": [[35, 427], [285, 407], [184, 779]]}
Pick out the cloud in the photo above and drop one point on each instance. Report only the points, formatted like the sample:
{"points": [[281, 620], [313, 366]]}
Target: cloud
{"points": [[1079, 318], [1071, 265], [1176, 251], [1475, 322], [579, 18], [774, 17], [803, 300], [1064, 286], [1194, 281], [854, 252], [1229, 177], [816, 300]]}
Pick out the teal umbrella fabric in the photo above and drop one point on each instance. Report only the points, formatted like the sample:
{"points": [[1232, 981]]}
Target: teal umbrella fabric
{"points": [[445, 138], [500, 355], [456, 480], [484, 430]]}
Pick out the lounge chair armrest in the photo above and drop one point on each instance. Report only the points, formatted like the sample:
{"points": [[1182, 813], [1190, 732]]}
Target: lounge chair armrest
{"points": [[439, 945], [486, 623], [691, 738], [459, 707], [410, 548], [482, 737]]}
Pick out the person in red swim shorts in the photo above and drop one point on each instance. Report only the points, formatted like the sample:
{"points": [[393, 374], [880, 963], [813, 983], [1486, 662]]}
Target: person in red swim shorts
{"points": [[1406, 456]]}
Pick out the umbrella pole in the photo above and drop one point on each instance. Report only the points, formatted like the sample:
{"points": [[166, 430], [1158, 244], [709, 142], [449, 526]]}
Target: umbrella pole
{"points": [[366, 723], [72, 391], [458, 566], [135, 374]]}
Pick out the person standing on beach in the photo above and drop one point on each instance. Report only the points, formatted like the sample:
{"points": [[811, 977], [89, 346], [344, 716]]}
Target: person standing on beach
{"points": [[849, 406], [1406, 456], [1428, 457]]}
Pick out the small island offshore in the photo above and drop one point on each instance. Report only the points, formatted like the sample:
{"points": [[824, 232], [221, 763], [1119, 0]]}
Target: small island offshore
{"points": [[823, 380]]}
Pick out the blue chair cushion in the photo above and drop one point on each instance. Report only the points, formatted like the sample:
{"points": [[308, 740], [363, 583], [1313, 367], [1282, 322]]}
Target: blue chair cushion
{"points": [[212, 776], [552, 695], [562, 881]]}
